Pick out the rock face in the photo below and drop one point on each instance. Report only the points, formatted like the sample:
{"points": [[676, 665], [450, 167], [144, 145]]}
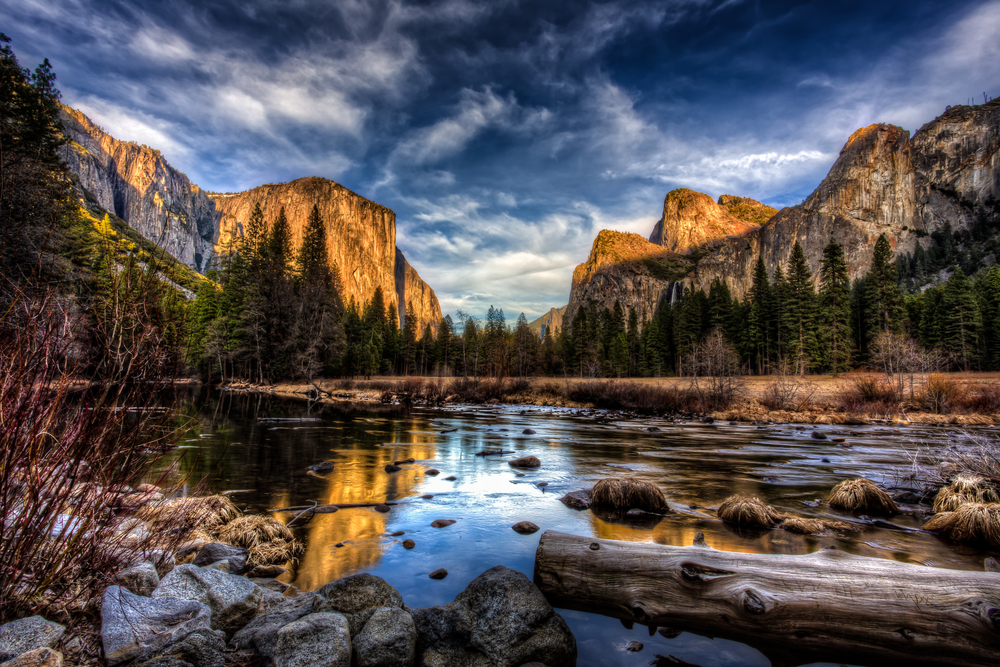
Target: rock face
{"points": [[234, 600], [550, 321], [692, 219], [135, 183], [138, 185], [626, 268], [133, 626]]}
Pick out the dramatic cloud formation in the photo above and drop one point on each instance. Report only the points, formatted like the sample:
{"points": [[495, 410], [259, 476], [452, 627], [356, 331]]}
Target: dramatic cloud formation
{"points": [[506, 134]]}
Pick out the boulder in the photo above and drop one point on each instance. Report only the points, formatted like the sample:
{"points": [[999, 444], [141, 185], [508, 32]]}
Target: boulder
{"points": [[234, 601], [141, 579], [271, 584], [502, 616], [441, 523], [133, 626], [202, 648], [388, 639], [357, 597], [216, 551], [390, 467], [525, 527], [218, 566], [528, 431], [162, 560], [267, 571], [317, 640], [439, 573], [578, 500], [40, 657], [321, 468], [259, 636], [526, 462], [28, 634]]}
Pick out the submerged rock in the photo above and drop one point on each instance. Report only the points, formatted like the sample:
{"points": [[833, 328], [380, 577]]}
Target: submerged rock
{"points": [[525, 528], [526, 462], [441, 523], [440, 573]]}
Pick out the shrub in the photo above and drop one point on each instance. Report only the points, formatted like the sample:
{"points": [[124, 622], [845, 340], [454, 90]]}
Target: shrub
{"points": [[868, 394], [941, 394]]}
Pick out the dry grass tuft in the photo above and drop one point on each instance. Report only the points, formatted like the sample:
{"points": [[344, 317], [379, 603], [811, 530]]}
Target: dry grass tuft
{"points": [[862, 495], [625, 494], [276, 552], [975, 523], [815, 526], [749, 511], [253, 531], [965, 489], [203, 513]]}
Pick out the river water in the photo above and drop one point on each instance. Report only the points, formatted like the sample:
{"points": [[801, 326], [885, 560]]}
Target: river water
{"points": [[238, 446]]}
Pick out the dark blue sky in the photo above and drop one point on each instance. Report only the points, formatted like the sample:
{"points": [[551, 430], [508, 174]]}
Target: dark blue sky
{"points": [[505, 135]]}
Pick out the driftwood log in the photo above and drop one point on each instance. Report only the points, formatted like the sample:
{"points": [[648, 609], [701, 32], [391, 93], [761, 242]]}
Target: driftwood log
{"points": [[827, 606]]}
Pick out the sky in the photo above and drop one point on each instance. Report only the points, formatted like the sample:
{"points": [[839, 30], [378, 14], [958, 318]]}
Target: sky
{"points": [[506, 134]]}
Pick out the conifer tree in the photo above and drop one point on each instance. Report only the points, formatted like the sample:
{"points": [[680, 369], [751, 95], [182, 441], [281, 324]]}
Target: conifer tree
{"points": [[779, 303], [800, 311], [883, 300], [989, 305], [962, 320], [759, 317], [834, 331]]}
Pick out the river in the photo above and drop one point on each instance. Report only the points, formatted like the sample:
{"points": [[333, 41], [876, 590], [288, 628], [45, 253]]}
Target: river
{"points": [[236, 446]]}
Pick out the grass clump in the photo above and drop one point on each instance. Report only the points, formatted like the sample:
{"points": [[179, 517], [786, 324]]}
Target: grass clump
{"points": [[749, 512], [861, 495], [973, 523], [193, 513], [965, 489], [624, 494], [268, 540]]}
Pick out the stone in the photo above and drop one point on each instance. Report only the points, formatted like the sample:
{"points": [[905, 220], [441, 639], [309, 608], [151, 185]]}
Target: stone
{"points": [[260, 635], [141, 579], [404, 461], [216, 551], [451, 478], [271, 599], [40, 657], [388, 639], [439, 573], [525, 527], [525, 462], [653, 429], [542, 485], [501, 620], [201, 648], [234, 600], [267, 571], [398, 533], [427, 496], [432, 471], [528, 431], [28, 634], [162, 560], [382, 508], [409, 544], [357, 597], [392, 468], [218, 566], [133, 626], [270, 584], [321, 468], [318, 640], [818, 435], [441, 523], [634, 646], [578, 500]]}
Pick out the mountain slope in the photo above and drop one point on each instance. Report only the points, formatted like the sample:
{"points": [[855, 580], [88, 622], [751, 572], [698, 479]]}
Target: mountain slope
{"points": [[692, 219]]}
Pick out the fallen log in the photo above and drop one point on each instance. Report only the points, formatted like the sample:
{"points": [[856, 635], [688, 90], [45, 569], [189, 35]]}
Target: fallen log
{"points": [[827, 606]]}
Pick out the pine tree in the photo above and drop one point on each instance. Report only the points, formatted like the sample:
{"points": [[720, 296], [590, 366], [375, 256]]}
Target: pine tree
{"points": [[800, 311], [688, 325], [634, 342], [835, 308], [989, 304], [255, 239], [962, 320], [759, 317], [883, 300], [779, 317]]}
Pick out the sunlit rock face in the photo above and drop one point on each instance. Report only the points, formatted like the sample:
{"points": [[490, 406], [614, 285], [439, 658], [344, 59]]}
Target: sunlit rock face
{"points": [[135, 183], [884, 182], [550, 322], [627, 268], [692, 219]]}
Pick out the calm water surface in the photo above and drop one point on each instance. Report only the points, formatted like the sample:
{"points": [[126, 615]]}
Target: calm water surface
{"points": [[695, 464]]}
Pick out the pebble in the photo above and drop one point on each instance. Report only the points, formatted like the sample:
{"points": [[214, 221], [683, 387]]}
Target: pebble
{"points": [[398, 533], [382, 507], [392, 468], [432, 471], [427, 496], [441, 523], [440, 573], [633, 646], [451, 478], [525, 528], [404, 461], [409, 544]]}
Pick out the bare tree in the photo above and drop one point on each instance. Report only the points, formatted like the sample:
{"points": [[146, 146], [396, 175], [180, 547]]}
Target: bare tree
{"points": [[718, 363]]}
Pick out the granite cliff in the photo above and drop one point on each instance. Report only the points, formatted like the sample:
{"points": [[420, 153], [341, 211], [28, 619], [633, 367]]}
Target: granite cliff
{"points": [[138, 185], [550, 321], [692, 219], [883, 182]]}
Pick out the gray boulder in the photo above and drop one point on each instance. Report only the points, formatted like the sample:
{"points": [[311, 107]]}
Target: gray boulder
{"points": [[216, 551], [201, 648], [388, 639], [162, 560], [578, 500], [502, 616], [317, 640], [133, 626], [234, 601], [28, 634], [260, 635], [40, 657], [141, 579], [357, 597]]}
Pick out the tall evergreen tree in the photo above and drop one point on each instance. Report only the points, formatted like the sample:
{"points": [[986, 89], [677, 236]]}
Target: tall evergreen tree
{"points": [[800, 311], [759, 317], [779, 304], [962, 320], [989, 305], [834, 331], [883, 300]]}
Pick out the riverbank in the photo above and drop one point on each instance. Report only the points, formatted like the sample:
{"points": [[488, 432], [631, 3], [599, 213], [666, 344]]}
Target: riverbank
{"points": [[971, 399]]}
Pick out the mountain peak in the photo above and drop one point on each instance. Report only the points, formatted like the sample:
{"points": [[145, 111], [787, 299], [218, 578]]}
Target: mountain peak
{"points": [[692, 219]]}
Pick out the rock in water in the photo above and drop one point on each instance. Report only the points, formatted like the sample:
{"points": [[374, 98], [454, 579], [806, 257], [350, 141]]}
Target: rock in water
{"points": [[40, 657], [409, 544], [440, 573], [321, 468], [28, 634], [357, 597], [260, 635], [392, 468], [140, 579], [500, 620], [133, 626], [528, 431], [388, 639], [578, 500], [216, 551], [234, 601], [317, 640], [525, 527], [441, 523], [526, 462]]}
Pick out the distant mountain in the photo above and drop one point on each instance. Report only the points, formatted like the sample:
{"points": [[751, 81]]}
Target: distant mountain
{"points": [[550, 321], [137, 184], [884, 182]]}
